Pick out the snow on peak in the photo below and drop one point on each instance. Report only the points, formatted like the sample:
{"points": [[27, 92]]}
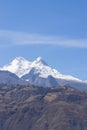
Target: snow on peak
{"points": [[19, 58], [21, 66], [39, 61]]}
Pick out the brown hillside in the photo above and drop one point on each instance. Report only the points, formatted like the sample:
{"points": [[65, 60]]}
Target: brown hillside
{"points": [[33, 108]]}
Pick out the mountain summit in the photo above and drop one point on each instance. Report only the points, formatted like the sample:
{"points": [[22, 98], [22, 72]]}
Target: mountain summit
{"points": [[39, 61], [38, 73], [20, 66]]}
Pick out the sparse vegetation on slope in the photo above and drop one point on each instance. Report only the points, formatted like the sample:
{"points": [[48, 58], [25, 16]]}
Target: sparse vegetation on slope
{"points": [[36, 108]]}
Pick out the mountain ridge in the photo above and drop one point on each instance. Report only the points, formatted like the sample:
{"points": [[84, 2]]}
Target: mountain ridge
{"points": [[21, 64], [39, 73], [39, 108]]}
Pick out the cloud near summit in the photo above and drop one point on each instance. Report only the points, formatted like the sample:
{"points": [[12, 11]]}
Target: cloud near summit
{"points": [[10, 38]]}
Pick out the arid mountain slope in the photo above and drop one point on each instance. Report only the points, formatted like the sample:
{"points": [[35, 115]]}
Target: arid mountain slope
{"points": [[35, 108]]}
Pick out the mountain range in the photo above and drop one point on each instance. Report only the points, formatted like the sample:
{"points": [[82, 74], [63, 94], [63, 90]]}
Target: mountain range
{"points": [[37, 73], [34, 96]]}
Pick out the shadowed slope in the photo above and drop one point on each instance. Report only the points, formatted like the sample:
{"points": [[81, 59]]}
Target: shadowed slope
{"points": [[32, 108]]}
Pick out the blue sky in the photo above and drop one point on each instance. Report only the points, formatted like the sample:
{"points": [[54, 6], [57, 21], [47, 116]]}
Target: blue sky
{"points": [[55, 30]]}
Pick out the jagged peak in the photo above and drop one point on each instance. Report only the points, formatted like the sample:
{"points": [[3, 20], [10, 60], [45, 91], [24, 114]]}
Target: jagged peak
{"points": [[19, 58], [20, 66], [39, 60]]}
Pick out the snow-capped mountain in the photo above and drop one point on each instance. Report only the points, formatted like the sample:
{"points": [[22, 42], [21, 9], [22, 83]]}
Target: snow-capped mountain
{"points": [[39, 73], [21, 66]]}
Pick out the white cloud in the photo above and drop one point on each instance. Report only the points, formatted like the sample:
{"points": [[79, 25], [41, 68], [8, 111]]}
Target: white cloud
{"points": [[8, 38]]}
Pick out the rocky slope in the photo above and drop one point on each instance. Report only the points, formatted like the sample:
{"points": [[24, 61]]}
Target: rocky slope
{"points": [[9, 78], [33, 108]]}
